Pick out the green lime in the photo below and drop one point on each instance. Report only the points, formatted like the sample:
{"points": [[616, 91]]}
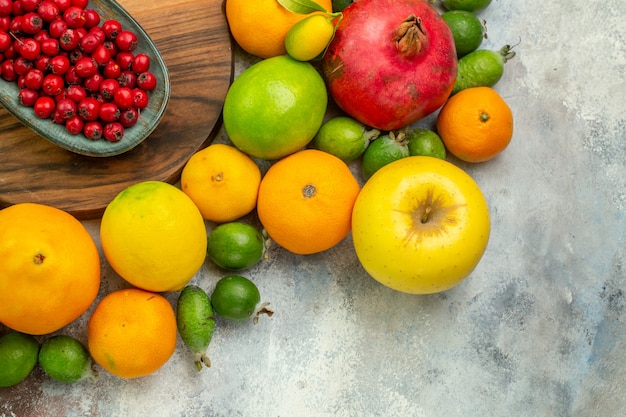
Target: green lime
{"points": [[382, 151], [65, 359], [469, 5], [18, 357], [425, 142], [195, 322], [339, 5], [275, 107], [481, 68], [467, 30], [344, 137], [237, 298], [235, 245], [309, 38]]}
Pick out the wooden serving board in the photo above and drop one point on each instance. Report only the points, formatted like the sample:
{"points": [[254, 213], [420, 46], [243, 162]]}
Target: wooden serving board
{"points": [[193, 37]]}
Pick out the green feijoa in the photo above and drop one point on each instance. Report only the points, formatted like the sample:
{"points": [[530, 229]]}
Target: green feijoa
{"points": [[237, 298], [195, 322], [469, 5], [382, 151], [481, 68], [467, 30], [425, 142], [235, 245], [18, 357], [65, 359], [344, 137]]}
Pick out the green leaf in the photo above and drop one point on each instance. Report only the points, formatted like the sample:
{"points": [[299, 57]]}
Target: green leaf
{"points": [[302, 6]]}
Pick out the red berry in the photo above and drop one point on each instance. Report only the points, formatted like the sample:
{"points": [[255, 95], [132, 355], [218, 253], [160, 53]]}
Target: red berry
{"points": [[27, 97], [42, 63], [75, 92], [129, 117], [111, 69], [6, 7], [93, 130], [108, 87], [88, 108], [127, 79], [141, 63], [123, 97], [113, 131], [48, 10], [126, 40], [74, 125], [63, 4], [52, 84], [125, 60], [29, 48], [75, 17], [50, 46], [34, 79], [59, 64], [8, 71], [92, 18], [44, 107], [111, 28], [28, 5], [86, 67], [90, 42], [69, 39], [147, 81], [32, 23], [57, 28], [109, 112], [140, 98], [92, 84], [22, 65], [5, 40], [71, 77], [80, 3], [101, 55]]}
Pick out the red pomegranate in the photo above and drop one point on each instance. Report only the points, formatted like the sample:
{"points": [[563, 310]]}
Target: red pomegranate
{"points": [[391, 62]]}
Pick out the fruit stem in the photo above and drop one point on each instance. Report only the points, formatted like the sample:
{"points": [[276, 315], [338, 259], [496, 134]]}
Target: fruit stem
{"points": [[370, 135], [507, 53], [426, 214], [409, 37], [401, 138], [262, 309], [201, 358]]}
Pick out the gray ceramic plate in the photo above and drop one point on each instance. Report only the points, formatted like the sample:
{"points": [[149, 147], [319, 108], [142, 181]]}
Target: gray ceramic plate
{"points": [[133, 136]]}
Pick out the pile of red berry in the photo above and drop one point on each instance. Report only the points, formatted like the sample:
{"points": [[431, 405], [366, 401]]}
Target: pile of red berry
{"points": [[73, 70]]}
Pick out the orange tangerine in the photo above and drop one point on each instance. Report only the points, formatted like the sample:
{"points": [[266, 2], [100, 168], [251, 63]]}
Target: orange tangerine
{"points": [[261, 26], [132, 332], [50, 269], [476, 124], [305, 201], [222, 181]]}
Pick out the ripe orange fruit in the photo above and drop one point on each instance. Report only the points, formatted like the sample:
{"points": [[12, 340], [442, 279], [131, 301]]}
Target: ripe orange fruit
{"points": [[154, 236], [222, 181], [305, 201], [50, 269], [260, 26], [132, 332], [476, 124]]}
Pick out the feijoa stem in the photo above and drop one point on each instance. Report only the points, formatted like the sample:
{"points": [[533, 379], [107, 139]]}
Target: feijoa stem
{"points": [[261, 308]]}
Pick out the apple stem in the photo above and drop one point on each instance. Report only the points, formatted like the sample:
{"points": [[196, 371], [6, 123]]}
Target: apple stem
{"points": [[426, 215]]}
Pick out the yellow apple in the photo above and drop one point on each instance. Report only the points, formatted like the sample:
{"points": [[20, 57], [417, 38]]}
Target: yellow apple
{"points": [[420, 225]]}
